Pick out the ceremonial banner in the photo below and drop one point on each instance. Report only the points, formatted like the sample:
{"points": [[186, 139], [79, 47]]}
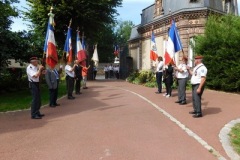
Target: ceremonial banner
{"points": [[153, 51], [68, 46], [173, 44], [95, 56], [50, 44]]}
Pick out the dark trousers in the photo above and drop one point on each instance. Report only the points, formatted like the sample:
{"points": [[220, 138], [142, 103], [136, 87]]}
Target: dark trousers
{"points": [[111, 74], [52, 96], [182, 83], [168, 87], [196, 98], [56, 93], [117, 75], [78, 85], [106, 74], [70, 85], [36, 98], [159, 81], [94, 74]]}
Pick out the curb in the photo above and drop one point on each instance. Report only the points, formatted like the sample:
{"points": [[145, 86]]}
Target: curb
{"points": [[225, 140], [181, 126]]}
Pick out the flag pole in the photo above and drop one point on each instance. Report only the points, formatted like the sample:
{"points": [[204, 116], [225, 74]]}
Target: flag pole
{"points": [[151, 61], [76, 44], [70, 23]]}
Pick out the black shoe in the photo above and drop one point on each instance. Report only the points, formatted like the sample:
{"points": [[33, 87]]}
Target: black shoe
{"points": [[85, 87], [53, 106], [71, 97], [78, 93], [178, 101], [56, 104], [192, 112], [158, 92], [36, 117], [197, 115], [41, 115], [183, 103]]}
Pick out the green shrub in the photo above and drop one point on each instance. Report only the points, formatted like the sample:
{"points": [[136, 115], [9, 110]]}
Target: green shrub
{"points": [[144, 77], [132, 76], [220, 47]]}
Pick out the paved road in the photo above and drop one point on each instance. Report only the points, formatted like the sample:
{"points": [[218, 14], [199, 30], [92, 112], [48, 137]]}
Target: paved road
{"points": [[115, 120]]}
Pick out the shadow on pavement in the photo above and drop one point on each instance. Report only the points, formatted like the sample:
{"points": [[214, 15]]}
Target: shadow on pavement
{"points": [[21, 120]]}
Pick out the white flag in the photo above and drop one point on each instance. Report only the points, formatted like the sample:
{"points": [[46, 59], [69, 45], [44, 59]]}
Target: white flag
{"points": [[95, 56]]}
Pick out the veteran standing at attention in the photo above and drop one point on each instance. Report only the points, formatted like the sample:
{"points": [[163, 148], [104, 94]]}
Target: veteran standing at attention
{"points": [[182, 79], [33, 72], [198, 80], [52, 83], [70, 75]]}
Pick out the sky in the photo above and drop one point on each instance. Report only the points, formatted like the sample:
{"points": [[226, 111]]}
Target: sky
{"points": [[130, 10], [127, 12]]}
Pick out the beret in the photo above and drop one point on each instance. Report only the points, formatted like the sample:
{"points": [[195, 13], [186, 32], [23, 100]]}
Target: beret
{"points": [[198, 57]]}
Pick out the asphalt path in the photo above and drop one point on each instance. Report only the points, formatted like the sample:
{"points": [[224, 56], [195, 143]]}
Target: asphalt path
{"points": [[115, 120]]}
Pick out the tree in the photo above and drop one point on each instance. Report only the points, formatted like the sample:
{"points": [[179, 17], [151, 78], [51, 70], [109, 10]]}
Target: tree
{"points": [[14, 45], [105, 46], [123, 31], [91, 16], [221, 50]]}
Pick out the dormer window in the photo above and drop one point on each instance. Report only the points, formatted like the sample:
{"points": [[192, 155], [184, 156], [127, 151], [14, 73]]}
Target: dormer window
{"points": [[158, 8]]}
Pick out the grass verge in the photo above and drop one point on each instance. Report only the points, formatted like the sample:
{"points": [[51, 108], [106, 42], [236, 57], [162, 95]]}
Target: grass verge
{"points": [[235, 137], [21, 99]]}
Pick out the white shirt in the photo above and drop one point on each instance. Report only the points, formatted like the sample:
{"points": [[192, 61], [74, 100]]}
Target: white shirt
{"points": [[183, 74], [68, 71], [32, 71], [110, 68], [105, 69], [160, 66], [116, 69], [199, 71]]}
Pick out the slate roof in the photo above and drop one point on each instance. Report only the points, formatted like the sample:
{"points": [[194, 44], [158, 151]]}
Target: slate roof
{"points": [[134, 33]]}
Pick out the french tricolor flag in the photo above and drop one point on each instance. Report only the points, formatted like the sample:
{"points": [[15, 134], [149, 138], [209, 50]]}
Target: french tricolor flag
{"points": [[68, 46], [173, 44], [81, 55], [116, 50], [153, 51], [50, 47]]}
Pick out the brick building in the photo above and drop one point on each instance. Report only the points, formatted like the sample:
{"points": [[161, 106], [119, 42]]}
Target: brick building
{"points": [[190, 17]]}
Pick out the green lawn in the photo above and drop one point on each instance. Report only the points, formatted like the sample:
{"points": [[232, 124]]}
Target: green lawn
{"points": [[17, 100], [235, 137]]}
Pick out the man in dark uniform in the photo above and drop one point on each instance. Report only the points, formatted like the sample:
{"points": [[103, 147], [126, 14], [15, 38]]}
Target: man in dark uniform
{"points": [[57, 74], [78, 77], [34, 71], [52, 83]]}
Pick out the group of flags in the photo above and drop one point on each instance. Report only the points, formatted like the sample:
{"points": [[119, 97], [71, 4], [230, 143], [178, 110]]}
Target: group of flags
{"points": [[51, 51], [173, 45], [80, 48]]}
